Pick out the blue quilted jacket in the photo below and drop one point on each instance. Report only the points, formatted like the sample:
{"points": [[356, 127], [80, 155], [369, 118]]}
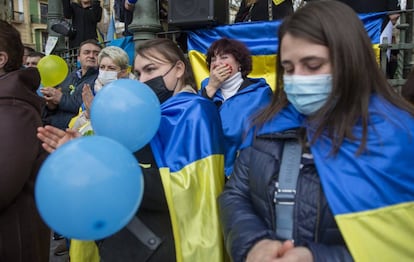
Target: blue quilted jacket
{"points": [[247, 209]]}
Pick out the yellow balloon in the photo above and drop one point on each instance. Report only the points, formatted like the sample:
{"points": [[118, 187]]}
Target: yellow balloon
{"points": [[53, 70]]}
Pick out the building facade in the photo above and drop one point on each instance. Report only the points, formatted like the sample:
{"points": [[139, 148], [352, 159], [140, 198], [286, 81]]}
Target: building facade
{"points": [[30, 18]]}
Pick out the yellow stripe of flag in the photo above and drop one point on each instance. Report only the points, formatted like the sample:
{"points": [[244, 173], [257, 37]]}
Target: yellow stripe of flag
{"points": [[384, 234]]}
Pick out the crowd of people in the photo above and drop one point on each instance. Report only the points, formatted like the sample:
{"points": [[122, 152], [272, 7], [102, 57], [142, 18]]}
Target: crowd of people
{"points": [[236, 171]]}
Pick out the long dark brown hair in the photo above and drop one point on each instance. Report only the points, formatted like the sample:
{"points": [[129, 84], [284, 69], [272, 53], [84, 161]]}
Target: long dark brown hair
{"points": [[355, 72]]}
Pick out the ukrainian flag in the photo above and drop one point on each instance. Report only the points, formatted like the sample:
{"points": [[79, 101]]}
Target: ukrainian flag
{"points": [[372, 194], [261, 39], [188, 149]]}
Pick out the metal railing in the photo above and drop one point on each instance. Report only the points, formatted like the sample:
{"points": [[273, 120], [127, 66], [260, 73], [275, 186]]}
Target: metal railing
{"points": [[70, 56], [402, 50]]}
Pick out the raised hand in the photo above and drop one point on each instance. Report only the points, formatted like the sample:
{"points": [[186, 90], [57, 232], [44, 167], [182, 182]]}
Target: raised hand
{"points": [[53, 137], [218, 75], [52, 95], [87, 98]]}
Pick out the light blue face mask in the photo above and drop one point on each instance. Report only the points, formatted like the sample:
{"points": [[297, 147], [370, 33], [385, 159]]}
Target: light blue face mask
{"points": [[307, 93]]}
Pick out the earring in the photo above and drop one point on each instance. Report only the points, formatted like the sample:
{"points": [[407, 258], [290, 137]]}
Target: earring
{"points": [[240, 69]]}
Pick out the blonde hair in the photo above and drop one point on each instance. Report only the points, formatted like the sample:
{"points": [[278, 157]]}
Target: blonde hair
{"points": [[116, 54]]}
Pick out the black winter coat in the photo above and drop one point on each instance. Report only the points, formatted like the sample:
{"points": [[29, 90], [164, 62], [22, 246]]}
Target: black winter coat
{"points": [[247, 209], [153, 213], [260, 11], [369, 6], [84, 21]]}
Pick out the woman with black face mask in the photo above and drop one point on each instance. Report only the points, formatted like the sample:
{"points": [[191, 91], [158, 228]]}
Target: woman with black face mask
{"points": [[183, 169], [157, 85], [163, 69]]}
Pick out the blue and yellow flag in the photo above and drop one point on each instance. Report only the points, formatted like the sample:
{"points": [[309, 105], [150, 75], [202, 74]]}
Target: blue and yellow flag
{"points": [[100, 36], [259, 37], [111, 33], [252, 99], [262, 41], [190, 156], [371, 195]]}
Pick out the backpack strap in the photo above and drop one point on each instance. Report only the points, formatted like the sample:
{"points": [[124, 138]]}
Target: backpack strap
{"points": [[285, 193], [143, 233]]}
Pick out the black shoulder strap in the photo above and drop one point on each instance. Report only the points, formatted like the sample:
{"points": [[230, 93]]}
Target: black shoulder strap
{"points": [[143, 233], [286, 188]]}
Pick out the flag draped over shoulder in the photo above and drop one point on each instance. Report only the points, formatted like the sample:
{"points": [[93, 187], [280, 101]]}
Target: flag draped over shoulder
{"points": [[189, 153], [252, 99], [371, 195], [188, 149], [262, 41]]}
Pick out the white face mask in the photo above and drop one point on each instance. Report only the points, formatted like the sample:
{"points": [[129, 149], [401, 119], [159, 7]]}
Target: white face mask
{"points": [[106, 77], [307, 93]]}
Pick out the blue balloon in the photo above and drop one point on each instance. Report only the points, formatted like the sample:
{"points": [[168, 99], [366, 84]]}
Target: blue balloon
{"points": [[127, 111], [89, 188]]}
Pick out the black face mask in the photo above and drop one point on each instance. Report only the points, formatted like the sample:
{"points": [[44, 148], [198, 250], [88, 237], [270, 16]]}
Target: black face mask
{"points": [[157, 85]]}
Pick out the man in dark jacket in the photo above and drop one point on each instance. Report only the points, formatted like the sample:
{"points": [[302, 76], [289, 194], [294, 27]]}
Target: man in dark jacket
{"points": [[374, 6], [368, 6], [85, 17], [63, 103], [124, 12], [263, 10], [23, 235], [371, 6]]}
